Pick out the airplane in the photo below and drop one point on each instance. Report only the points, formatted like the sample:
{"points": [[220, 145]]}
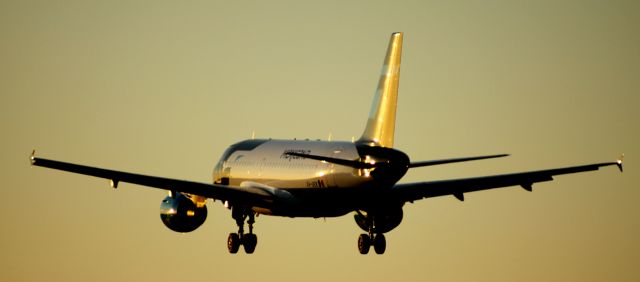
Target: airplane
{"points": [[318, 179]]}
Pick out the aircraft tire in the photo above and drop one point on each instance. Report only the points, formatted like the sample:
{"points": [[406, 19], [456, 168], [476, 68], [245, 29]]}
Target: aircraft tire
{"points": [[233, 243], [249, 242], [364, 244], [380, 244]]}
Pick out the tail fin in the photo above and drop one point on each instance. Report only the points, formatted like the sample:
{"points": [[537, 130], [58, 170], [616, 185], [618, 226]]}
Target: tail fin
{"points": [[382, 118]]}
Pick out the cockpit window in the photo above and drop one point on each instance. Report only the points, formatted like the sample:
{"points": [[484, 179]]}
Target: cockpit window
{"points": [[246, 145]]}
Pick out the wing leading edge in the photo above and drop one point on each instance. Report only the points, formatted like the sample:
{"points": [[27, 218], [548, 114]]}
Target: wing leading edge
{"points": [[409, 192]]}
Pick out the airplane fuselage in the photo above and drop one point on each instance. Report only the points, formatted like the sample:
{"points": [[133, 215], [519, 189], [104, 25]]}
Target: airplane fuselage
{"points": [[316, 188]]}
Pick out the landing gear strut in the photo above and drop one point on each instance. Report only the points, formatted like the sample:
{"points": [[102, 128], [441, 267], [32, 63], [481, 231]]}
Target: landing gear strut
{"points": [[248, 240]]}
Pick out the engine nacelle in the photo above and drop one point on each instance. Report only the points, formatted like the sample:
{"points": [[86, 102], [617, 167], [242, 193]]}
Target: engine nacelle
{"points": [[180, 214], [382, 222]]}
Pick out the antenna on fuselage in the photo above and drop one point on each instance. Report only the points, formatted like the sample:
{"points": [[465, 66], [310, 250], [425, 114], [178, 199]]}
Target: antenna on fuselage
{"points": [[253, 135]]}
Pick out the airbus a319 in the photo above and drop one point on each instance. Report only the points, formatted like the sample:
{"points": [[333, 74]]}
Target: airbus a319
{"points": [[304, 178]]}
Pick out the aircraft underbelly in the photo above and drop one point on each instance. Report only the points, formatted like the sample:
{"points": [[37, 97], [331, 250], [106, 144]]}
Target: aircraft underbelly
{"points": [[318, 202]]}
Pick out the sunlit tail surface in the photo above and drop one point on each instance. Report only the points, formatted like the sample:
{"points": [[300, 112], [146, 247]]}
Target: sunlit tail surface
{"points": [[305, 178], [382, 118]]}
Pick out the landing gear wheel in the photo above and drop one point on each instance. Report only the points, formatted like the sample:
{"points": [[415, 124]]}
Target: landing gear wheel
{"points": [[233, 243], [379, 244], [249, 241], [364, 243]]}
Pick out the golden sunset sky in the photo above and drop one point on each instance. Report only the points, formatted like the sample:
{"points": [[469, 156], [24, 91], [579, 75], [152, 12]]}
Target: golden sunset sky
{"points": [[163, 87]]}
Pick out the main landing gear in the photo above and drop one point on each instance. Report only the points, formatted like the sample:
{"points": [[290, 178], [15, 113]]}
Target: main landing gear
{"points": [[248, 240], [375, 225], [378, 241]]}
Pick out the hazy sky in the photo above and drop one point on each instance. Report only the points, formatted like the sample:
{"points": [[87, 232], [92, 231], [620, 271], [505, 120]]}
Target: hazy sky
{"points": [[163, 87]]}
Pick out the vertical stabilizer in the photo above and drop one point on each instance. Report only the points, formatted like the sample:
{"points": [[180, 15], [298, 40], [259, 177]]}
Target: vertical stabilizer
{"points": [[382, 118]]}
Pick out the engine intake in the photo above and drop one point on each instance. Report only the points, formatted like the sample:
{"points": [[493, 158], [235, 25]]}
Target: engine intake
{"points": [[180, 214]]}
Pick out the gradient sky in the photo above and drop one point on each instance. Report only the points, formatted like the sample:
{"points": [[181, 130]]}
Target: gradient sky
{"points": [[163, 87]]}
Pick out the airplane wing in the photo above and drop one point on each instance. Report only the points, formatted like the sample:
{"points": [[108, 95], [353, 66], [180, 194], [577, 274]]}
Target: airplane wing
{"points": [[249, 194], [409, 192]]}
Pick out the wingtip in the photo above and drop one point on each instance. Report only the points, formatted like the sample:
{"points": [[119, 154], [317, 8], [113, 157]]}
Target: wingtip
{"points": [[32, 159], [619, 162]]}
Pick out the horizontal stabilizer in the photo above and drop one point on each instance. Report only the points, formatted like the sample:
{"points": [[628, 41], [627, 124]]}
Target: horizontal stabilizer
{"points": [[457, 160], [349, 163]]}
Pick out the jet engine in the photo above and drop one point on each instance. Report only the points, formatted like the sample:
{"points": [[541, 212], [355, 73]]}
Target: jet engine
{"points": [[381, 221], [180, 214]]}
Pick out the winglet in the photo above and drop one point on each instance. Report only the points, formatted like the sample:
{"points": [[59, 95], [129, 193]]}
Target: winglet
{"points": [[619, 162], [32, 159]]}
